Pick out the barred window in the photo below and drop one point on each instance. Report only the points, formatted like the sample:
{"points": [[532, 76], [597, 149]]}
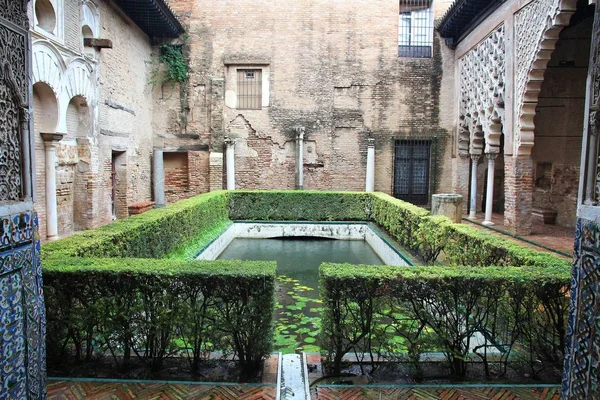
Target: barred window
{"points": [[249, 89], [415, 28]]}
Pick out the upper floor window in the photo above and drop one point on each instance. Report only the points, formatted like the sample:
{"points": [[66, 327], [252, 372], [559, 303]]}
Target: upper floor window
{"points": [[415, 28], [249, 89]]}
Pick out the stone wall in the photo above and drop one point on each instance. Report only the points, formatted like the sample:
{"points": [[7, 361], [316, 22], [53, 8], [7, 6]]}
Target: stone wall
{"points": [[332, 67]]}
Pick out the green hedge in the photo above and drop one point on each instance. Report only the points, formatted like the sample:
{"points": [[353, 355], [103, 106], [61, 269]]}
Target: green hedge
{"points": [[151, 309], [382, 310], [97, 282], [459, 244], [304, 205], [149, 235]]}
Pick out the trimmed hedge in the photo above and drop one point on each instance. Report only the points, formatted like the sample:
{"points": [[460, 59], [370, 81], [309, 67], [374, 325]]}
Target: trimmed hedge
{"points": [[461, 244], [303, 205], [369, 309], [106, 290], [152, 309], [153, 234]]}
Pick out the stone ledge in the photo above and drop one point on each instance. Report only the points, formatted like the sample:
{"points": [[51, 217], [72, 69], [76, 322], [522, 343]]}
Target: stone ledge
{"points": [[140, 207]]}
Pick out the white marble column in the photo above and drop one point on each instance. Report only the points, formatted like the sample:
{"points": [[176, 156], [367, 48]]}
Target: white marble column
{"points": [[473, 198], [489, 197], [158, 178], [230, 160], [370, 184], [50, 142], [300, 158]]}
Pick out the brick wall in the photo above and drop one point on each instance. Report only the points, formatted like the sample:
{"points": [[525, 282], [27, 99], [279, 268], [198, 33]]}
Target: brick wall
{"points": [[331, 67]]}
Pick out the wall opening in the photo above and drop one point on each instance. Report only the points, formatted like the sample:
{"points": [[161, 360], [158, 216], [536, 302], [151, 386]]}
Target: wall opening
{"points": [[46, 16], [86, 33], [177, 178]]}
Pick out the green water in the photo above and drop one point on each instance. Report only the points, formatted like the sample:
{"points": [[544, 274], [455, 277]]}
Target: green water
{"points": [[297, 320]]}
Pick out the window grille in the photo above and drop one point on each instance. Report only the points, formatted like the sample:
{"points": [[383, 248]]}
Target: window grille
{"points": [[249, 89], [415, 28], [411, 170]]}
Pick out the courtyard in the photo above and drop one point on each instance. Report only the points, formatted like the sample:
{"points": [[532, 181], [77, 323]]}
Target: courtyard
{"points": [[295, 200]]}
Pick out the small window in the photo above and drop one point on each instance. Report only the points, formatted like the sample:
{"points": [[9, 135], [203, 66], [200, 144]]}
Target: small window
{"points": [[415, 29], [249, 89]]}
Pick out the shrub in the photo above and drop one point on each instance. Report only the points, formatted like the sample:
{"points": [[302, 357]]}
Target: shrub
{"points": [[446, 307], [399, 218], [289, 205], [149, 235], [145, 308]]}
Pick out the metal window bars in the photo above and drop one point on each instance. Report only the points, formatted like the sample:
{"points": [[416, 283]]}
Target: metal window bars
{"points": [[411, 170], [415, 28], [249, 89]]}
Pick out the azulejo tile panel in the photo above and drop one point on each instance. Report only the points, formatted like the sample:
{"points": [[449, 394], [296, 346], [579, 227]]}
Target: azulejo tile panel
{"points": [[16, 230], [22, 325], [582, 365]]}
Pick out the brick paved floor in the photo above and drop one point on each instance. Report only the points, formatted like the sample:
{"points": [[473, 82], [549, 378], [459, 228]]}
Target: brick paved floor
{"points": [[553, 236], [428, 393], [96, 390]]}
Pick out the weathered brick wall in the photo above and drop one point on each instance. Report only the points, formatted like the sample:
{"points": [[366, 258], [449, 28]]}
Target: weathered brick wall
{"points": [[125, 112], [332, 68]]}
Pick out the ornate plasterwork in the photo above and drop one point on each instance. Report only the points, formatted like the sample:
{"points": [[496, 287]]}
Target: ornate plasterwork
{"points": [[482, 77], [13, 118], [537, 27], [15, 11]]}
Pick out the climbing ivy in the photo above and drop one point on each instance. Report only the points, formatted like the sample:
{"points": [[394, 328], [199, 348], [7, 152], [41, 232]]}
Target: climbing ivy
{"points": [[176, 69]]}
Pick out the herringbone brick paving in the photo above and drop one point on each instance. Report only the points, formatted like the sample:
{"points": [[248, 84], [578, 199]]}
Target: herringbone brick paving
{"points": [[492, 393], [70, 390]]}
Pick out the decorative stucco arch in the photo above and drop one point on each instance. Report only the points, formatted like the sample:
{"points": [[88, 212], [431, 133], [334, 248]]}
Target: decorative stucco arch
{"points": [[78, 80], [537, 28], [48, 65]]}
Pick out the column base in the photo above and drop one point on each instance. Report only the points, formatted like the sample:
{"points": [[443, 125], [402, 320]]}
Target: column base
{"points": [[487, 223], [472, 216]]}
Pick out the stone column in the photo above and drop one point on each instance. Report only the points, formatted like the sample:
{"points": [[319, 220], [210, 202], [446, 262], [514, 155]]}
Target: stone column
{"points": [[489, 197], [158, 178], [230, 160], [50, 142], [300, 158], [370, 184], [473, 203]]}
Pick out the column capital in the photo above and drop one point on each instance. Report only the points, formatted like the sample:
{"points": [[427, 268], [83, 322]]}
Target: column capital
{"points": [[300, 130], [491, 156], [370, 142], [475, 157], [51, 139]]}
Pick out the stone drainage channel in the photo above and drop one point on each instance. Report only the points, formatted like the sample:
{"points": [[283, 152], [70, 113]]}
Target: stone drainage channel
{"points": [[292, 379]]}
